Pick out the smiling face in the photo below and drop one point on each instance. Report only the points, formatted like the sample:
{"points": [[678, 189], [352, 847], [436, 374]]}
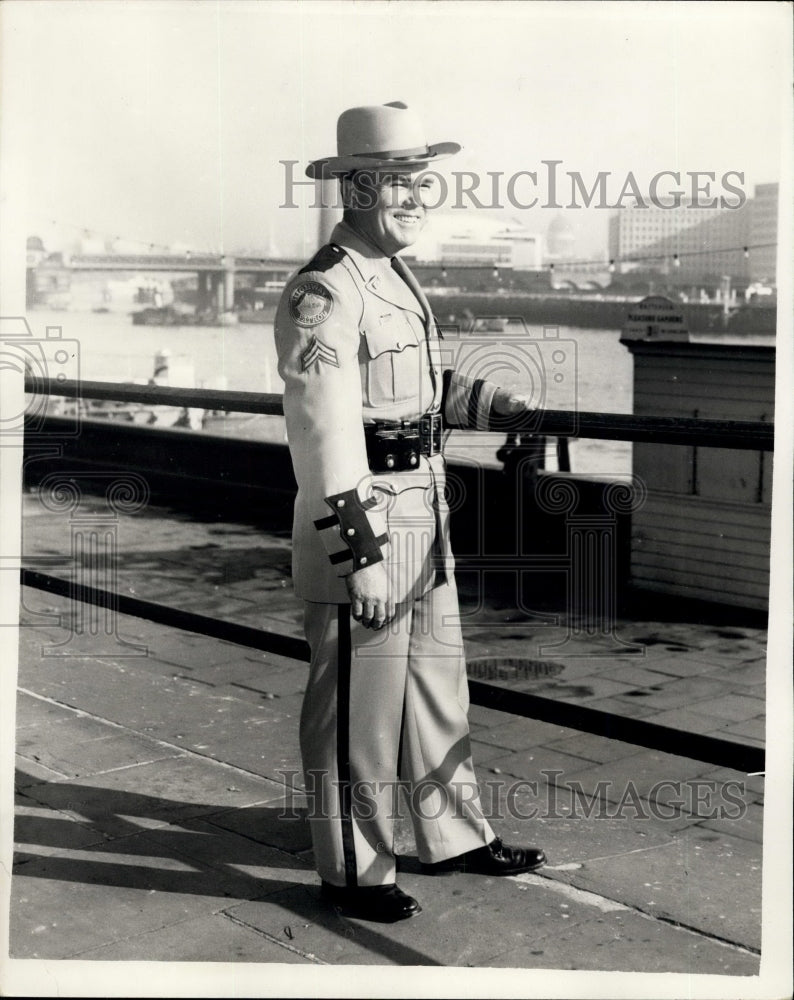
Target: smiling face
{"points": [[388, 208]]}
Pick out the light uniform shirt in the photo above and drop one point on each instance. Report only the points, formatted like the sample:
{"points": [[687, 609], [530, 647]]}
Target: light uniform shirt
{"points": [[356, 343]]}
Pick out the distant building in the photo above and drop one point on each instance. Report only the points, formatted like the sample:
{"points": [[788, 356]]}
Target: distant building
{"points": [[49, 280], [560, 239], [763, 234], [700, 244], [474, 239], [35, 251]]}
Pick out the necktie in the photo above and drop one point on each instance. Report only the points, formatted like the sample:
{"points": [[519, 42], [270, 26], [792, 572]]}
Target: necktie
{"points": [[431, 338]]}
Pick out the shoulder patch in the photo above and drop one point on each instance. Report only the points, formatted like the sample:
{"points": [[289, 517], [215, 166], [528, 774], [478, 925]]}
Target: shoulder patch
{"points": [[326, 257], [310, 303]]}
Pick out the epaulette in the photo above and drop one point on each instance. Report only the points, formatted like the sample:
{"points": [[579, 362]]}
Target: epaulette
{"points": [[325, 258]]}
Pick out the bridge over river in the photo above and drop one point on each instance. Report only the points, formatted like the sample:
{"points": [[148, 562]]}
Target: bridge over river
{"points": [[216, 272]]}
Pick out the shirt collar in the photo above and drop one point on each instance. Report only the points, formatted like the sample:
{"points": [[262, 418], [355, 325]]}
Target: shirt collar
{"points": [[375, 268]]}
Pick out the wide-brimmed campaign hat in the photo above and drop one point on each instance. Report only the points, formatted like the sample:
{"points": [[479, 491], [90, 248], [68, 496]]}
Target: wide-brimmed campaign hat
{"points": [[377, 136]]}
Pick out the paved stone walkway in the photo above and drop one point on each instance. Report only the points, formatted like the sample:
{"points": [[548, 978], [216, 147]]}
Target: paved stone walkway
{"points": [[160, 810], [695, 677]]}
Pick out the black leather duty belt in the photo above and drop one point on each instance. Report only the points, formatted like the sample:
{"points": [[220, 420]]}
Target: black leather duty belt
{"points": [[395, 445]]}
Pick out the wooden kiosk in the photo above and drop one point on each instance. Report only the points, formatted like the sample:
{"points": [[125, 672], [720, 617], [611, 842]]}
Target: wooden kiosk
{"points": [[704, 529]]}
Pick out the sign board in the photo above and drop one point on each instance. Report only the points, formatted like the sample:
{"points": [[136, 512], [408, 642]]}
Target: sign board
{"points": [[654, 318]]}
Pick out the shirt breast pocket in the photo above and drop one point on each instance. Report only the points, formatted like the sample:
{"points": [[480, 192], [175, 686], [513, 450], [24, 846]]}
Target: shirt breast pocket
{"points": [[392, 359]]}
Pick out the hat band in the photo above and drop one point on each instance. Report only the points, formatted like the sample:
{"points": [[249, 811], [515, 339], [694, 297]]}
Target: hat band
{"points": [[396, 154]]}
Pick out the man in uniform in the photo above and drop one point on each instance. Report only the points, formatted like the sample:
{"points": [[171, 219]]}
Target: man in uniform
{"points": [[366, 401]]}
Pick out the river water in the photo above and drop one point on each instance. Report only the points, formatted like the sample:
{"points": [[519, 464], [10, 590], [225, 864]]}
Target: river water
{"points": [[581, 368]]}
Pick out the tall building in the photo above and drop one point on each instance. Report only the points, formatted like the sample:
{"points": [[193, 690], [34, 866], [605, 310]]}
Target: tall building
{"points": [[702, 244], [763, 234]]}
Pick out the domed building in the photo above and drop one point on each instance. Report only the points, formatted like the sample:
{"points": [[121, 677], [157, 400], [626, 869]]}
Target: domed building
{"points": [[560, 239], [35, 251]]}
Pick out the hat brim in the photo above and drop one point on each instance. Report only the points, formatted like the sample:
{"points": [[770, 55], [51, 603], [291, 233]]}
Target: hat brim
{"points": [[333, 166]]}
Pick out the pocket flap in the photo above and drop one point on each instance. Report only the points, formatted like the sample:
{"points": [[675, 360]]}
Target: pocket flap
{"points": [[390, 332]]}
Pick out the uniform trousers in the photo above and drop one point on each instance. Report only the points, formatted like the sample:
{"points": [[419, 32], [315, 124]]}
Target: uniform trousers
{"points": [[382, 705]]}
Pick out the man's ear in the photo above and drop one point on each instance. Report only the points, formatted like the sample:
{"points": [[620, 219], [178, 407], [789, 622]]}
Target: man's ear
{"points": [[348, 188]]}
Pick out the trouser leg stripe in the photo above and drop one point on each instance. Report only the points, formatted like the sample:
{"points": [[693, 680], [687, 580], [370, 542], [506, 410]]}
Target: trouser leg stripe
{"points": [[343, 745]]}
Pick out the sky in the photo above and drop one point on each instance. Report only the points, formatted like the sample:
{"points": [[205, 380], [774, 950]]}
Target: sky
{"points": [[164, 122]]}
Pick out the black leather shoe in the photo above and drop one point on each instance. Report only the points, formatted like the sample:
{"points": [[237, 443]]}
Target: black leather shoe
{"points": [[384, 903], [495, 858]]}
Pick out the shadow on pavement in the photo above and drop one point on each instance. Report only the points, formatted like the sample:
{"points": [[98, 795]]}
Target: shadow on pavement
{"points": [[216, 843]]}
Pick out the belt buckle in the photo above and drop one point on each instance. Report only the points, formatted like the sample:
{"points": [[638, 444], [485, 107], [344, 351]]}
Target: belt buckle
{"points": [[430, 433]]}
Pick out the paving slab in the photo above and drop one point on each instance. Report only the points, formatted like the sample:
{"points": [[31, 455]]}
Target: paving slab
{"points": [[537, 761], [260, 738], [187, 649], [689, 691], [567, 823], [750, 733], [583, 690], [481, 717], [30, 772], [621, 706], [42, 831], [280, 823], [213, 938], [278, 684], [688, 720], [598, 937], [592, 747], [483, 753], [150, 795], [321, 932], [33, 713], [735, 708], [82, 746], [41, 646], [749, 824], [644, 771], [694, 880], [517, 734], [175, 710], [689, 663], [753, 785], [635, 675], [251, 672], [752, 730], [751, 675], [124, 885], [215, 847]]}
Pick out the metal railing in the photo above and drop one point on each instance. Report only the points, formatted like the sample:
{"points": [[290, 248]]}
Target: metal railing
{"points": [[746, 435], [732, 434]]}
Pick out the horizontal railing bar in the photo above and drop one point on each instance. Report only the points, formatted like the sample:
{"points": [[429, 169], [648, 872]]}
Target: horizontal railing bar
{"points": [[739, 434], [161, 395], [752, 435], [639, 732]]}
